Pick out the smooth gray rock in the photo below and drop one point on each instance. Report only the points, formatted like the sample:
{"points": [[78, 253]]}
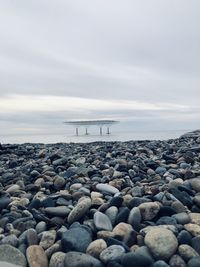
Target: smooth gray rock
{"points": [[102, 221], [107, 188], [12, 255], [112, 253], [78, 259]]}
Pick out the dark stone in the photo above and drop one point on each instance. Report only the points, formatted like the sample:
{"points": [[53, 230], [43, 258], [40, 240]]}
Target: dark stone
{"points": [[114, 264], [136, 201], [116, 201], [160, 263], [122, 215], [133, 259], [112, 241], [35, 204], [76, 239], [184, 237], [183, 197], [166, 220], [48, 202], [4, 201], [166, 211], [194, 262], [196, 243]]}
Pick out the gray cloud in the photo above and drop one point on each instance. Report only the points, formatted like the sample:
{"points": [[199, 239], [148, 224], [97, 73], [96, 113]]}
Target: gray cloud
{"points": [[111, 50]]}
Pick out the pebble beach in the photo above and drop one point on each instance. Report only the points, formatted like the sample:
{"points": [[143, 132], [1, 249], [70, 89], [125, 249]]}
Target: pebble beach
{"points": [[101, 204]]}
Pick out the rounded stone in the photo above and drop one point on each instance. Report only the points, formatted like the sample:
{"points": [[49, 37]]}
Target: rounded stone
{"points": [[112, 253], [112, 214], [187, 252], [135, 218], [194, 229], [149, 210], [48, 239], [57, 259], [76, 239], [12, 255], [78, 259], [96, 247], [36, 256], [162, 243], [133, 259], [7, 264], [177, 261], [10, 240], [60, 211], [160, 263], [194, 262], [59, 182], [195, 218], [195, 183], [102, 221], [31, 237], [79, 210], [107, 188]]}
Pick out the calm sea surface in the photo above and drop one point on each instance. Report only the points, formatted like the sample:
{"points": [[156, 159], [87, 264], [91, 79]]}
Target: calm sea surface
{"points": [[92, 137]]}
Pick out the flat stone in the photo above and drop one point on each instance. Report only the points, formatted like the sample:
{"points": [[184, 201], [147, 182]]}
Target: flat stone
{"points": [[60, 211], [57, 259], [31, 237], [133, 259], [112, 214], [194, 229], [10, 240], [102, 221], [36, 256], [149, 210], [48, 239], [76, 239], [78, 259], [187, 252], [96, 247], [13, 188], [112, 253], [12, 255], [162, 243], [107, 188], [4, 201], [182, 218], [79, 210]]}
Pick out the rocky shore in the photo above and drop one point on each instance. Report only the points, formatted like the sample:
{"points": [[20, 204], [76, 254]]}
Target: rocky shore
{"points": [[102, 204]]}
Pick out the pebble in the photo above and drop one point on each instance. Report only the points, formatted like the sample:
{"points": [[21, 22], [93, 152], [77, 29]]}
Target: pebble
{"points": [[134, 259], [48, 239], [36, 256], [149, 210], [12, 255], [194, 262], [107, 188], [61, 211], [81, 208], [96, 247], [78, 259], [135, 218], [162, 243], [57, 259], [112, 253], [76, 239], [194, 229], [102, 221], [187, 252], [177, 261]]}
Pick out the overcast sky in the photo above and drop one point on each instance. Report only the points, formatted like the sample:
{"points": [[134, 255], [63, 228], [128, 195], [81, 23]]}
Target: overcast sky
{"points": [[133, 60]]}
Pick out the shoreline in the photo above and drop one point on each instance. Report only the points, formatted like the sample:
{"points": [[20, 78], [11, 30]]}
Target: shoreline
{"points": [[102, 204]]}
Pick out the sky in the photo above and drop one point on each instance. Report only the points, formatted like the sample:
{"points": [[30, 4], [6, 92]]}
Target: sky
{"points": [[136, 61]]}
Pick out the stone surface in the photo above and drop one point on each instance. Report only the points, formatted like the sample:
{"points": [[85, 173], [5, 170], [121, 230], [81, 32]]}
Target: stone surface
{"points": [[57, 259], [76, 239], [78, 259], [177, 261], [194, 229], [48, 239], [107, 188], [161, 242], [149, 210], [36, 256], [187, 252], [112, 253], [102, 221], [80, 209], [96, 247], [12, 255]]}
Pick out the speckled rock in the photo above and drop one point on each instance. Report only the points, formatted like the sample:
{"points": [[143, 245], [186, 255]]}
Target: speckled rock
{"points": [[12, 255], [102, 221], [78, 259], [36, 256], [161, 242], [96, 247], [149, 210], [112, 253], [187, 252], [79, 210], [57, 259]]}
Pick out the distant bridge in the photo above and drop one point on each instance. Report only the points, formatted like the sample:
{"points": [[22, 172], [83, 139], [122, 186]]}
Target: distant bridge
{"points": [[87, 123]]}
